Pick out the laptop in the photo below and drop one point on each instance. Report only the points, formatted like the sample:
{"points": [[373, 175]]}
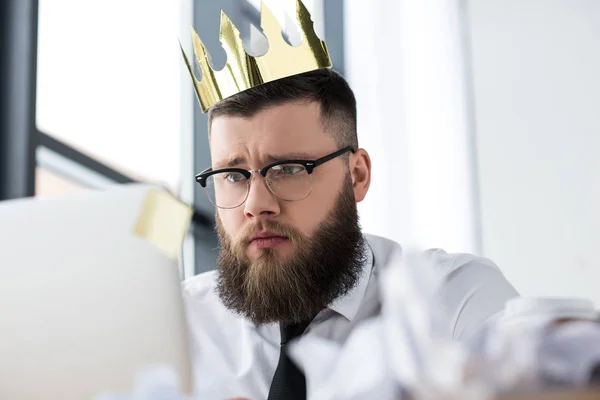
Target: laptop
{"points": [[90, 292]]}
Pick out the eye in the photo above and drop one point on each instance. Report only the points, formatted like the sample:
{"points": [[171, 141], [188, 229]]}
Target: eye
{"points": [[234, 177], [290, 169]]}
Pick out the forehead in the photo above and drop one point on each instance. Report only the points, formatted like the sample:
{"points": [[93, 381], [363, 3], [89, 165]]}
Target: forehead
{"points": [[291, 127]]}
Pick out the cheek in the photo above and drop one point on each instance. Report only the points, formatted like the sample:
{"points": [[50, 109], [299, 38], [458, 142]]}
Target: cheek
{"points": [[306, 215], [232, 221]]}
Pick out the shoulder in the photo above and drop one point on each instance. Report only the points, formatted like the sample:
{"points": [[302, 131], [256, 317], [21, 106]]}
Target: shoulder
{"points": [[452, 263], [201, 298], [386, 250], [205, 311], [474, 288], [200, 286]]}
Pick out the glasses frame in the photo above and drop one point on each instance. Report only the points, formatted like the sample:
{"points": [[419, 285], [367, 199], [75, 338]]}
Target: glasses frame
{"points": [[310, 165]]}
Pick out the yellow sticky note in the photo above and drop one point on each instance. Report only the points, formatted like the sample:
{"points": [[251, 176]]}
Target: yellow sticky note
{"points": [[163, 221]]}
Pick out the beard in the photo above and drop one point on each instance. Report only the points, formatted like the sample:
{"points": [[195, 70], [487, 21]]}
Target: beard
{"points": [[322, 267]]}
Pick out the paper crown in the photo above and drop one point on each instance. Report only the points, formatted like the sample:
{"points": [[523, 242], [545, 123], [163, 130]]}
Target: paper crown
{"points": [[243, 71]]}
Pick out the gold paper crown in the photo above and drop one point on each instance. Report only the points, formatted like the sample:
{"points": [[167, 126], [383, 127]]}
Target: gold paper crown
{"points": [[243, 71]]}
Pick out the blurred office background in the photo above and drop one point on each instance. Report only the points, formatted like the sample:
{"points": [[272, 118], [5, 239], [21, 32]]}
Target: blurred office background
{"points": [[480, 116]]}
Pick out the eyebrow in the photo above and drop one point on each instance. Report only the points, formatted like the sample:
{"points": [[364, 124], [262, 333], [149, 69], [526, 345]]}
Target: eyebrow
{"points": [[235, 161]]}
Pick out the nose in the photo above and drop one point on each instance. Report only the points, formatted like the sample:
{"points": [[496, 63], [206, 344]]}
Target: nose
{"points": [[261, 202]]}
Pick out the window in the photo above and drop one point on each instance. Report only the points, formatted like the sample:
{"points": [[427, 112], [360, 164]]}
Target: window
{"points": [[109, 83], [48, 183]]}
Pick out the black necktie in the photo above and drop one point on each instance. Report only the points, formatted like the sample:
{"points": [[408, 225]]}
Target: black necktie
{"points": [[595, 376], [288, 381]]}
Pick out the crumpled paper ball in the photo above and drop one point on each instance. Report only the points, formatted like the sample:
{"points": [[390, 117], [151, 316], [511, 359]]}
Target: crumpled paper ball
{"points": [[356, 371], [407, 352], [570, 354]]}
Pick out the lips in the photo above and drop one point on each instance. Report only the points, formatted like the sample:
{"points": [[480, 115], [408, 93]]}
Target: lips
{"points": [[266, 235], [267, 239]]}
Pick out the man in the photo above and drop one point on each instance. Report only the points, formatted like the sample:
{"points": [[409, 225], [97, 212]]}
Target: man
{"points": [[287, 172], [291, 246]]}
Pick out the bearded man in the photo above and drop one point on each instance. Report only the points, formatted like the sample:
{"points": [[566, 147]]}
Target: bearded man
{"points": [[287, 172]]}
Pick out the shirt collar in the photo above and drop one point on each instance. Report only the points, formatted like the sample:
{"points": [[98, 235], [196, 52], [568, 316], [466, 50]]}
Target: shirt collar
{"points": [[349, 304]]}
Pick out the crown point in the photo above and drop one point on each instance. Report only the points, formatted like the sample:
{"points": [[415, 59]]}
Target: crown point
{"points": [[224, 18], [269, 24], [227, 27], [300, 7], [197, 43], [304, 17]]}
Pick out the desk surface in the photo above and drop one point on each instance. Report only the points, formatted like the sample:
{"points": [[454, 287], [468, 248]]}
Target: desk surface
{"points": [[558, 395]]}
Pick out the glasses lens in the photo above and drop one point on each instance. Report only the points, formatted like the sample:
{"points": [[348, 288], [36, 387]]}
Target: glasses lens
{"points": [[227, 189], [289, 182]]}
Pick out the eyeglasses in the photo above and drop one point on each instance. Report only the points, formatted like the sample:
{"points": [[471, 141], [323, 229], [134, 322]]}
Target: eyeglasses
{"points": [[288, 180]]}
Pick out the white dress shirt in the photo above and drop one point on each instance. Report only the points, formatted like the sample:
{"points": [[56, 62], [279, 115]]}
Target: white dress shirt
{"points": [[234, 358]]}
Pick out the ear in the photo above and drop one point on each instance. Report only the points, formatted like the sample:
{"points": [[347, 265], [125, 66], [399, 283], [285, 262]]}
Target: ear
{"points": [[360, 170]]}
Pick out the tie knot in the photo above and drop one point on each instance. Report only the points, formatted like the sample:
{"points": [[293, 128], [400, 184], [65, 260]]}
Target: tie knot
{"points": [[292, 331]]}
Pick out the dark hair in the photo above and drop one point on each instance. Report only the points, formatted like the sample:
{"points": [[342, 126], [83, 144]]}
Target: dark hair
{"points": [[325, 86]]}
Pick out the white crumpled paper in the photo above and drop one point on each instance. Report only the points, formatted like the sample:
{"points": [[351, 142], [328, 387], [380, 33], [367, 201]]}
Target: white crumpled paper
{"points": [[409, 349], [408, 352], [154, 382], [569, 353]]}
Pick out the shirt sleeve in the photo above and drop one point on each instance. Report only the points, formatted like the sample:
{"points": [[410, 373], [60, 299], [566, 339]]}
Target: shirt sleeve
{"points": [[474, 292]]}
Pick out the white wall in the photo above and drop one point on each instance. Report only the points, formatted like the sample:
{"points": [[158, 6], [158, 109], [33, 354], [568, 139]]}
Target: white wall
{"points": [[404, 60], [536, 67]]}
